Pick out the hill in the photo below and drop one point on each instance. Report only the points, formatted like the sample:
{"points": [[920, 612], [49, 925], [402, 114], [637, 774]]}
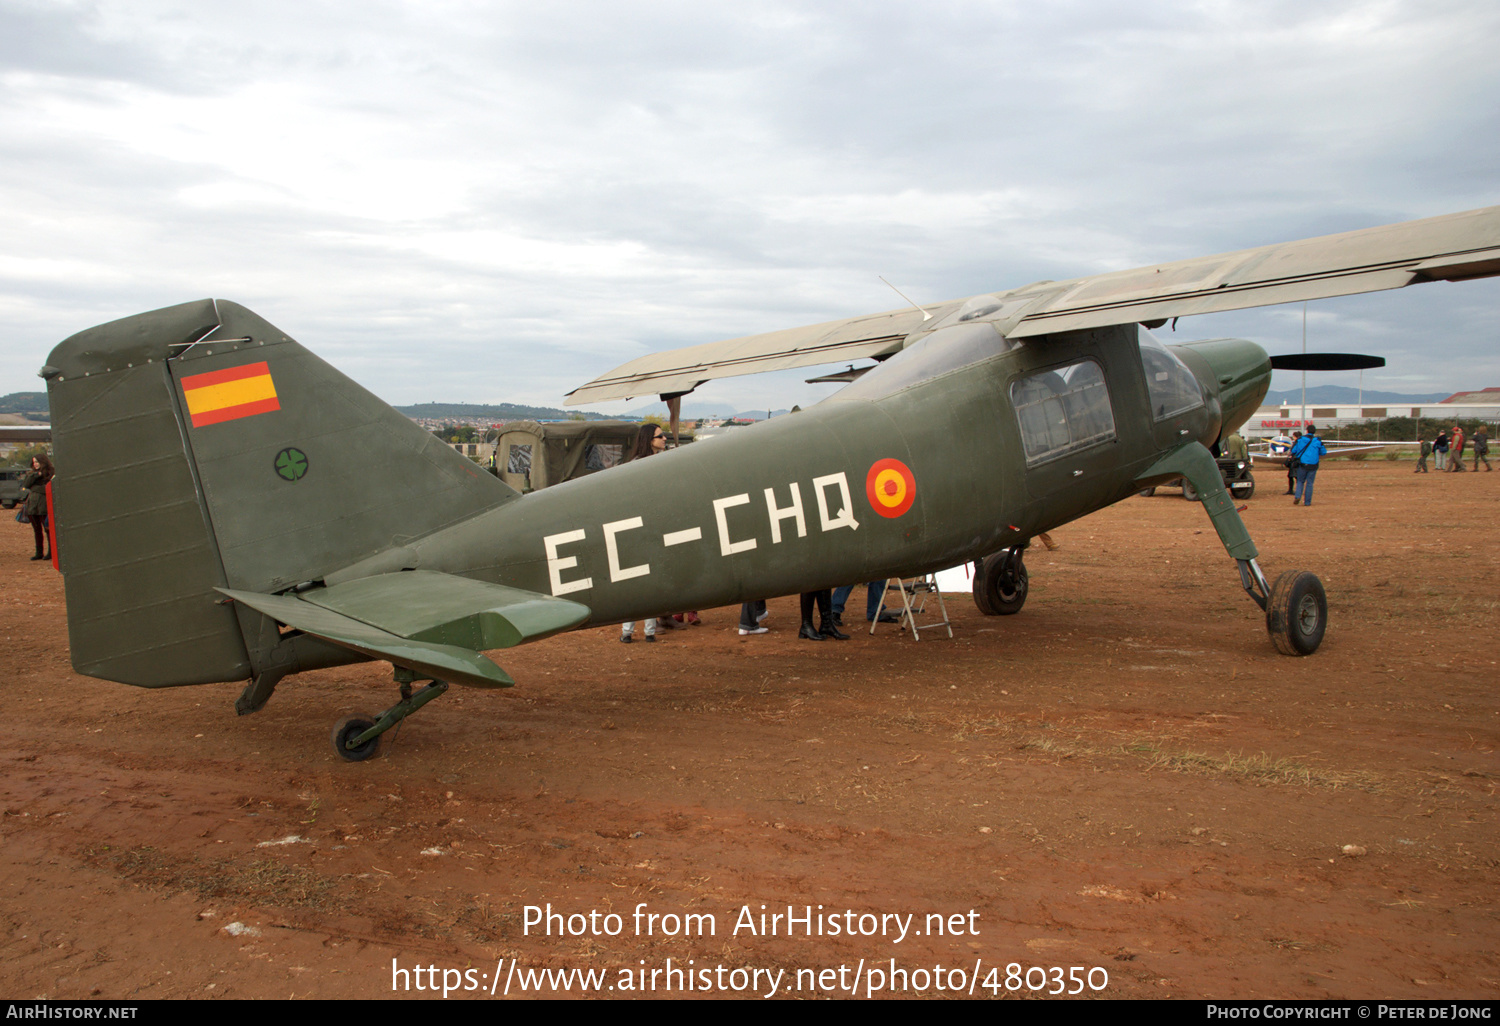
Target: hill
{"points": [[25, 402], [1343, 395], [491, 411]]}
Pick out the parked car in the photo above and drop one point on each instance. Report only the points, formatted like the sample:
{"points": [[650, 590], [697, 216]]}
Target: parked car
{"points": [[1236, 474]]}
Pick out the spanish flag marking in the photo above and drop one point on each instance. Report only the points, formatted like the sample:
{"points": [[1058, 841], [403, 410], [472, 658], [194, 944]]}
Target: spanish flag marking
{"points": [[230, 394], [890, 487]]}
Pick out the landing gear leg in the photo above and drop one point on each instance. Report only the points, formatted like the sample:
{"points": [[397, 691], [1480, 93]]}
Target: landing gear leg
{"points": [[357, 738], [1296, 606]]}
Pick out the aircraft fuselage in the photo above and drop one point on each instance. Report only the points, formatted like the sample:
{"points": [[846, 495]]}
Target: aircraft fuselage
{"points": [[919, 466]]}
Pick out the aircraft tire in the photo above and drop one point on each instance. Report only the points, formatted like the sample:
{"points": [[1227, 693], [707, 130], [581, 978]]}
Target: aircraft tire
{"points": [[348, 727], [982, 589], [1188, 491], [1297, 613], [1003, 584]]}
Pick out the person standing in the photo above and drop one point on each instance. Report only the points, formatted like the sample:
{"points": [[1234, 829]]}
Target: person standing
{"points": [[1235, 447], [1482, 448], [1456, 451], [1291, 463], [752, 617], [1306, 454], [647, 443], [1440, 449], [35, 483], [1422, 457], [827, 628]]}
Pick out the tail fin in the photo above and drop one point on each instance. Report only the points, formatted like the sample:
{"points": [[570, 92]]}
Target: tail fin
{"points": [[200, 447]]}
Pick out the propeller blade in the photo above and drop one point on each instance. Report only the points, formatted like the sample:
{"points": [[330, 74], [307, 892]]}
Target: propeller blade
{"points": [[1326, 361]]}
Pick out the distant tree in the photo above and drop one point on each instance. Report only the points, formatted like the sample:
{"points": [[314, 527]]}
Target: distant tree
{"points": [[22, 456], [454, 433]]}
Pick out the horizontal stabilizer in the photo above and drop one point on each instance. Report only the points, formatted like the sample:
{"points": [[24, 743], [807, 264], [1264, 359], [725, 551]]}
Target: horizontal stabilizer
{"points": [[448, 610], [439, 662], [434, 624]]}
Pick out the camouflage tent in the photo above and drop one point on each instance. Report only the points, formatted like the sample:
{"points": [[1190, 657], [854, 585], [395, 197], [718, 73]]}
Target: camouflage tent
{"points": [[528, 455]]}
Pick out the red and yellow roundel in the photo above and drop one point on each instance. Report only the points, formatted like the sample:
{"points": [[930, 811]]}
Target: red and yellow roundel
{"points": [[890, 487]]}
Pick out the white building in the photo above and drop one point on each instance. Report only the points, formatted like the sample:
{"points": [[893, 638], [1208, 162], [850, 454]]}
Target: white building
{"points": [[1270, 420]]}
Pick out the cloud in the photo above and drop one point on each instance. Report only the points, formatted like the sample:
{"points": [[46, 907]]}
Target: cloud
{"points": [[469, 201]]}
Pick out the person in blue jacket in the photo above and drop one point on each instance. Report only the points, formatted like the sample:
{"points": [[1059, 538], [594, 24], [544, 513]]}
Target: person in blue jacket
{"points": [[1306, 454]]}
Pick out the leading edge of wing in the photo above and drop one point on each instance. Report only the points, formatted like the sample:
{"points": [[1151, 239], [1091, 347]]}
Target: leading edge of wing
{"points": [[1452, 247], [682, 370]]}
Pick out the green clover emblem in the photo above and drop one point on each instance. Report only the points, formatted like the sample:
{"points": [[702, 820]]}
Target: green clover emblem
{"points": [[291, 464]]}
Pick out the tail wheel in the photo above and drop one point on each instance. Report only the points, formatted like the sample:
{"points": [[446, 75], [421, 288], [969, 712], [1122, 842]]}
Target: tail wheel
{"points": [[1297, 613], [351, 727]]}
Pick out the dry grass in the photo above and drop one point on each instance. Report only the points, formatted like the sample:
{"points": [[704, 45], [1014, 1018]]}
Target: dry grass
{"points": [[1261, 769], [251, 880]]}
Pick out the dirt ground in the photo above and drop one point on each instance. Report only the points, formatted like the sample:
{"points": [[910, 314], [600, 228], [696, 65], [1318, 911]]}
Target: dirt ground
{"points": [[1125, 776]]}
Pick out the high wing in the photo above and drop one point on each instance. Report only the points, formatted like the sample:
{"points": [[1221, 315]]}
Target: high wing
{"points": [[1453, 247], [678, 371]]}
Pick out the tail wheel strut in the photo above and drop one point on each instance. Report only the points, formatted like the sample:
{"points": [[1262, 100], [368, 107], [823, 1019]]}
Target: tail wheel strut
{"points": [[357, 738]]}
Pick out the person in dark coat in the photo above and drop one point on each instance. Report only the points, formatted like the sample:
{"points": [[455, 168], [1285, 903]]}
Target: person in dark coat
{"points": [[35, 483]]}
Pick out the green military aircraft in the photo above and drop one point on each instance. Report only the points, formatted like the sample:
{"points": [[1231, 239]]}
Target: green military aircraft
{"points": [[294, 521]]}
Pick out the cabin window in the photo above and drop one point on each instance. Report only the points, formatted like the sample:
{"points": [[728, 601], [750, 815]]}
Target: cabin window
{"points": [[1062, 410], [519, 460], [1172, 387]]}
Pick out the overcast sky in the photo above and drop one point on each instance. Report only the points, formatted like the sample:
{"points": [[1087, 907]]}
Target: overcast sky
{"points": [[479, 202]]}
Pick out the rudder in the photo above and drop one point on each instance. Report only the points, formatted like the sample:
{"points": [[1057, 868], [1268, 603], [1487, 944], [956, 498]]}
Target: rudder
{"points": [[263, 468]]}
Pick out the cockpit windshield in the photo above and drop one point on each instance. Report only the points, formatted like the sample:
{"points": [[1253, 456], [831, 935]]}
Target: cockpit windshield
{"points": [[1172, 387]]}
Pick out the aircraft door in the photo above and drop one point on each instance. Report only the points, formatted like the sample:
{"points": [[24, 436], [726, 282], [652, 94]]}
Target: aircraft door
{"points": [[1068, 436]]}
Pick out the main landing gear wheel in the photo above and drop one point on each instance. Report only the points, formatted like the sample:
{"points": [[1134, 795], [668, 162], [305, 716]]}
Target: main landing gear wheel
{"points": [[1000, 586], [349, 728], [1188, 491], [1297, 613]]}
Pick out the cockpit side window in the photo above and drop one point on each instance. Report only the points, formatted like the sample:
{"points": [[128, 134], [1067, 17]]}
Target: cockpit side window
{"points": [[1062, 410], [1172, 387]]}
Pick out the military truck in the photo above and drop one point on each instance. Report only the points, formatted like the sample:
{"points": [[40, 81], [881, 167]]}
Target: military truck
{"points": [[11, 492]]}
